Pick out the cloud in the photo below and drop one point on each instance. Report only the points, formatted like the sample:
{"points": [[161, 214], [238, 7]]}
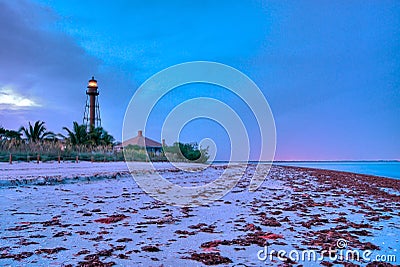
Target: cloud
{"points": [[47, 69], [9, 99]]}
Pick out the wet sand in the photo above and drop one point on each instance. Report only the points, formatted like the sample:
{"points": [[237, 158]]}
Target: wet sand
{"points": [[101, 222]]}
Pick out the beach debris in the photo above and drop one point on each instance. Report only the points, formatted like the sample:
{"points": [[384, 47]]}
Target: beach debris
{"points": [[24, 242], [317, 221], [185, 232], [150, 248], [55, 221], [203, 227], [82, 252], [49, 250], [326, 263], [273, 222], [17, 256], [95, 262], [167, 219], [252, 227], [123, 256], [111, 219], [212, 258], [62, 233], [270, 236]]}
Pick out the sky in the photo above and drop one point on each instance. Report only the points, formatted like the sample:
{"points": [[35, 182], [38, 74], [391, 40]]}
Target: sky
{"points": [[329, 70]]}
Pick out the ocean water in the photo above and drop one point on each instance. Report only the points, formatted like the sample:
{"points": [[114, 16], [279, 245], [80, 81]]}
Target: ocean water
{"points": [[389, 169]]}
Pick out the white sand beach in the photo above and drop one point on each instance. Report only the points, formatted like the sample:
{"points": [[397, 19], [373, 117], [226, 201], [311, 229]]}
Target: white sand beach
{"points": [[52, 172], [106, 222]]}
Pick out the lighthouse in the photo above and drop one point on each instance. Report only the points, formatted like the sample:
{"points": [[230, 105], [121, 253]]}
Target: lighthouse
{"points": [[91, 117]]}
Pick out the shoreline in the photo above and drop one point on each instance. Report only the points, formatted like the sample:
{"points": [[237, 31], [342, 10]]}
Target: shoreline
{"points": [[348, 173], [52, 173], [389, 169]]}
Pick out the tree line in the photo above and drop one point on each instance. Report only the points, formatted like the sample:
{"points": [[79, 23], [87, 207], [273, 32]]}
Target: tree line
{"points": [[36, 141], [78, 135], [85, 143]]}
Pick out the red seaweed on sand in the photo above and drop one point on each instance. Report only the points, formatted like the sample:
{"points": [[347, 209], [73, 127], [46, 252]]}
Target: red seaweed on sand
{"points": [[111, 219]]}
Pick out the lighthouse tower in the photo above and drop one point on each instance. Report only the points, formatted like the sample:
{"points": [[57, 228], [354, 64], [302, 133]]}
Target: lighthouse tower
{"points": [[91, 117]]}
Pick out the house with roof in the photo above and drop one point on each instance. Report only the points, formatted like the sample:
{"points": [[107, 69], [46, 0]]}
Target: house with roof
{"points": [[144, 142]]}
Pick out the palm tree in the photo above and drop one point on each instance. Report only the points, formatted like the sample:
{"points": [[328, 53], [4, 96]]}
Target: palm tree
{"points": [[78, 135], [36, 133], [11, 134], [99, 136], [107, 138], [95, 137]]}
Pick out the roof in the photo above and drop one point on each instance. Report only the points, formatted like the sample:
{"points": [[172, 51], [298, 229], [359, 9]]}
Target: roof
{"points": [[141, 141]]}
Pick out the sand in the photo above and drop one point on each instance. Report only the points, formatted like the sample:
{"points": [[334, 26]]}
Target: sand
{"points": [[105, 219], [23, 173]]}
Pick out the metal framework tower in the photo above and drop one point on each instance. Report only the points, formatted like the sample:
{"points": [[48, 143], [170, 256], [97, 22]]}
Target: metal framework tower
{"points": [[91, 117]]}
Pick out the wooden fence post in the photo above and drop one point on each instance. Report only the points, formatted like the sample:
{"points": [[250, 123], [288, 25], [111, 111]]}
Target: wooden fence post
{"points": [[10, 159], [37, 158], [58, 159]]}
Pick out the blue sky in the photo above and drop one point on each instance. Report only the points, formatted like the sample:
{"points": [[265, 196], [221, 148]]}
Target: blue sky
{"points": [[329, 70]]}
